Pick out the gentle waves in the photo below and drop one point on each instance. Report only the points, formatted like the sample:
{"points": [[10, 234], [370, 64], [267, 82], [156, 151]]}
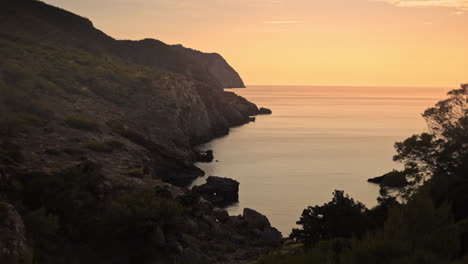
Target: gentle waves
{"points": [[319, 139]]}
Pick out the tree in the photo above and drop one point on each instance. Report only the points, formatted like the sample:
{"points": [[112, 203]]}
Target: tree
{"points": [[441, 151], [340, 218]]}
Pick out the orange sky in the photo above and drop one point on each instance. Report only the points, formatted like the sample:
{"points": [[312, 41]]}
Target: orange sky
{"points": [[305, 42]]}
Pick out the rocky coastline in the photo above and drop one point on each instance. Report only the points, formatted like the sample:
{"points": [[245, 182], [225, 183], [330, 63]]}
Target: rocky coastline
{"points": [[98, 141]]}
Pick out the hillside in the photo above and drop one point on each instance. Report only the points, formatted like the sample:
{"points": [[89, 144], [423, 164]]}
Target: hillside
{"points": [[54, 25], [216, 65], [97, 136]]}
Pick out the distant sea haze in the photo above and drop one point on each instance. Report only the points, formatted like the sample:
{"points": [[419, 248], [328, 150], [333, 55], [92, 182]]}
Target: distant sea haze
{"points": [[318, 139]]}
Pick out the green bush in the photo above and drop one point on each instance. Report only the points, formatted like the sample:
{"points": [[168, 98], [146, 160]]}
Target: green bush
{"points": [[40, 225], [107, 146], [69, 194], [100, 147], [115, 144], [128, 225], [81, 123], [10, 153], [189, 199], [340, 218]]}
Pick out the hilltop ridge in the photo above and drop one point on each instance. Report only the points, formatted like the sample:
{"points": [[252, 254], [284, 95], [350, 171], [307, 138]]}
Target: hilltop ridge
{"points": [[216, 65]]}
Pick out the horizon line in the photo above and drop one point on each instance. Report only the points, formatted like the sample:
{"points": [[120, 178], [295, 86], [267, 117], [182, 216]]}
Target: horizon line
{"points": [[351, 86]]}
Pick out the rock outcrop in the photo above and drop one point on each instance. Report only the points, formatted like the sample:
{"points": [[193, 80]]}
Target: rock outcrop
{"points": [[393, 179], [260, 225], [219, 191], [255, 220], [132, 111], [216, 65], [204, 156], [264, 111]]}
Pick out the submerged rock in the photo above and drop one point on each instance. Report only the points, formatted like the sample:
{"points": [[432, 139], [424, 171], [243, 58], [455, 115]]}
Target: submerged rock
{"points": [[219, 191]]}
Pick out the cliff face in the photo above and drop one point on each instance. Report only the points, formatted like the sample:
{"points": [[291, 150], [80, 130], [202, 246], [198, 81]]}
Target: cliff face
{"points": [[86, 119], [216, 65], [44, 23], [154, 91]]}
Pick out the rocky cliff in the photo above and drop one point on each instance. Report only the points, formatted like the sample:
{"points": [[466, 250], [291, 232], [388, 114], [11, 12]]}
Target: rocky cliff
{"points": [[216, 65], [95, 136]]}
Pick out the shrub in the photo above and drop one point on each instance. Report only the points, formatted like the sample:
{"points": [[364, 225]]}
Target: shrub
{"points": [[100, 147], [115, 144], [70, 194], [10, 153], [340, 218], [73, 151], [129, 224], [189, 199], [81, 123], [107, 146], [40, 225]]}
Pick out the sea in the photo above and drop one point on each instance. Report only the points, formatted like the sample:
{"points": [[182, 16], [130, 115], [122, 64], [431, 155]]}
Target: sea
{"points": [[318, 139]]}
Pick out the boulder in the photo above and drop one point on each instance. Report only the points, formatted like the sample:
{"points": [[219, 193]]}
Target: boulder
{"points": [[221, 215], [255, 219], [206, 156], [264, 111], [271, 237], [235, 221], [13, 244], [219, 191]]}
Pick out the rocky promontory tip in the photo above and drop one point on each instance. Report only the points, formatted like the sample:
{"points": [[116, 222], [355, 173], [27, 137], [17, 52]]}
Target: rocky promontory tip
{"points": [[219, 191], [264, 111], [393, 179], [204, 156]]}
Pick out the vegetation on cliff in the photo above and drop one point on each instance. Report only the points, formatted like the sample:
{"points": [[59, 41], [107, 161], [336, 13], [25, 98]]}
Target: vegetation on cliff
{"points": [[216, 65], [92, 131]]}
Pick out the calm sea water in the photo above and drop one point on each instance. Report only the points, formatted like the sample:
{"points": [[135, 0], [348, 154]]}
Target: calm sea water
{"points": [[319, 139]]}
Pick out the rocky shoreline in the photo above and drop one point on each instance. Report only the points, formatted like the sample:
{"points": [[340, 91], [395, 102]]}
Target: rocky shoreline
{"points": [[98, 142]]}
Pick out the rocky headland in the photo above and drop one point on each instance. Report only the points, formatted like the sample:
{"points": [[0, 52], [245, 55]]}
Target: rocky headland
{"points": [[215, 64], [97, 144]]}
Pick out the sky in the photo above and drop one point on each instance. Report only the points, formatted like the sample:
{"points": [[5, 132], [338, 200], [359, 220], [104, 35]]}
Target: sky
{"points": [[304, 42]]}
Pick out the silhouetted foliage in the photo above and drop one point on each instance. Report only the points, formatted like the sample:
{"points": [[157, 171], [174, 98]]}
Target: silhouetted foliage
{"points": [[444, 149], [69, 194], [136, 223], [431, 226], [342, 217]]}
